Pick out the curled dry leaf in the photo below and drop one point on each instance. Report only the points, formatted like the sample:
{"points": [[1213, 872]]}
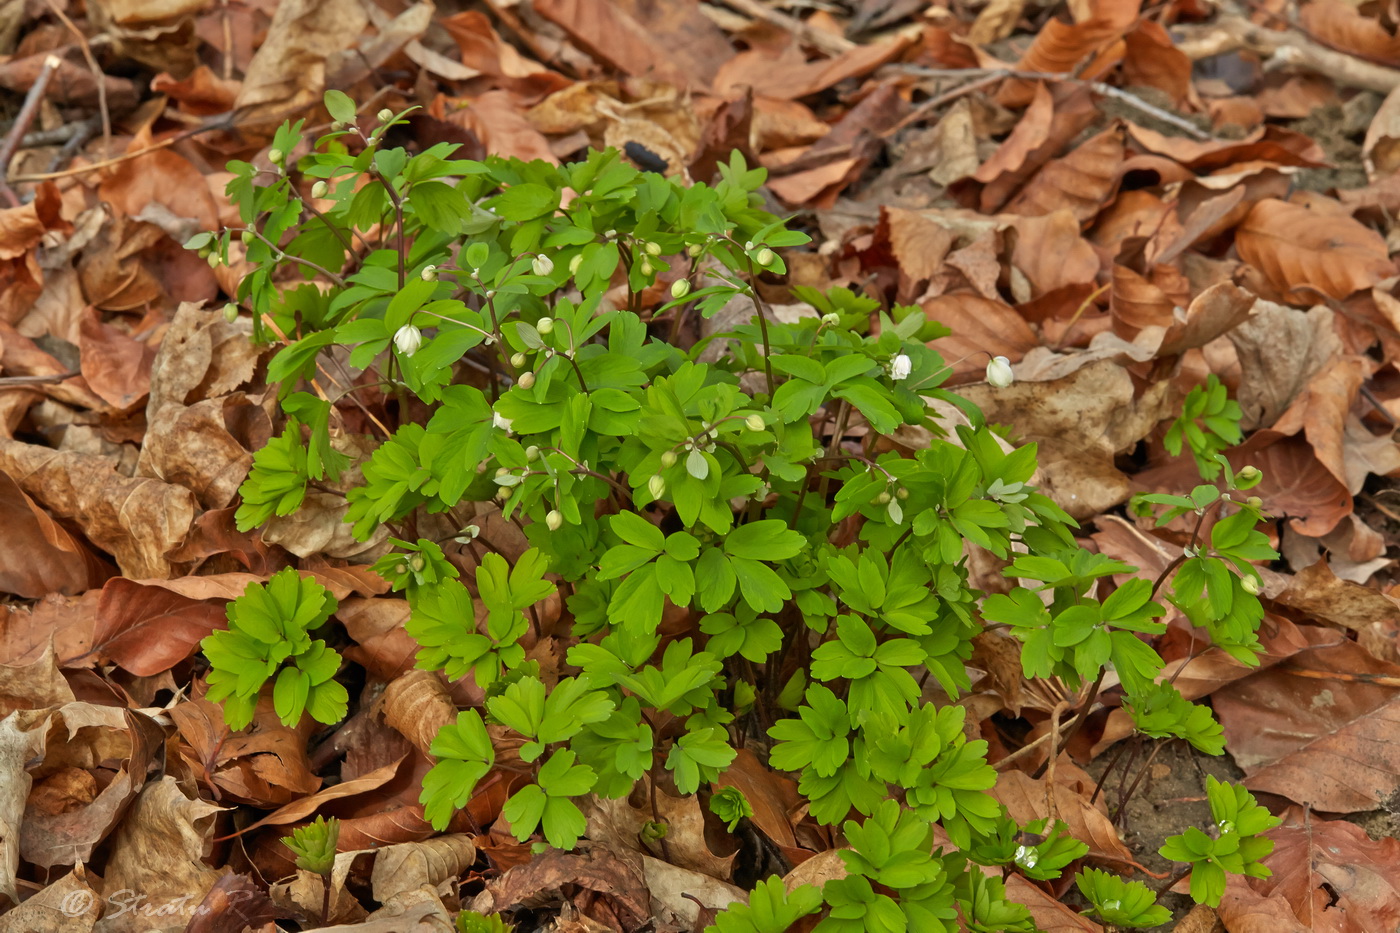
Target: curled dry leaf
{"points": [[137, 520], [1280, 349], [1080, 182], [418, 704], [608, 883], [618, 823], [39, 556], [235, 902], [429, 863], [1300, 251], [159, 852], [88, 737], [1296, 484], [68, 905], [18, 744], [1025, 799]]}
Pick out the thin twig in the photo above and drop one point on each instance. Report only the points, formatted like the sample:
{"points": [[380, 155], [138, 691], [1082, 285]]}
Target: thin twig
{"points": [[19, 381], [826, 42], [97, 76], [21, 125], [991, 75]]}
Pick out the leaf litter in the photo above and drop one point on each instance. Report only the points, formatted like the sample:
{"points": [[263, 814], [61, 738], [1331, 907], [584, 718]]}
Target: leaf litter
{"points": [[1120, 199]]}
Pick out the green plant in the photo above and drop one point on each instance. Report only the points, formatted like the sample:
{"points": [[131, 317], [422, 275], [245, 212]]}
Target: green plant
{"points": [[1120, 903], [510, 320], [1208, 424], [314, 845], [469, 921], [1234, 844], [269, 632]]}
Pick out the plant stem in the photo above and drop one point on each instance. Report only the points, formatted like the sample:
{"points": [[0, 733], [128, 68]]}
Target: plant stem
{"points": [[279, 255], [1084, 709]]}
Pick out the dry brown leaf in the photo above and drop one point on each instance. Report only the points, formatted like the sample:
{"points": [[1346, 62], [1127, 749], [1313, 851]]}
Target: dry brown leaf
{"points": [[618, 824], [288, 73], [149, 629], [996, 21], [138, 521], [616, 880], [788, 76], [1051, 254], [1060, 47], [1081, 422], [1330, 873], [1332, 744], [1029, 134], [418, 704], [1025, 800], [1080, 182], [18, 744], [607, 33], [979, 326], [38, 556], [1048, 914], [1152, 60], [1343, 27], [1300, 251], [107, 737], [159, 851], [1280, 349], [67, 905], [235, 902], [1297, 485]]}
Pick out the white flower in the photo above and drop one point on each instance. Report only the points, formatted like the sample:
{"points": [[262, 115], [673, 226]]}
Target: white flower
{"points": [[408, 339], [429, 273], [900, 367], [499, 421], [999, 372], [755, 423], [542, 265], [656, 485], [554, 520]]}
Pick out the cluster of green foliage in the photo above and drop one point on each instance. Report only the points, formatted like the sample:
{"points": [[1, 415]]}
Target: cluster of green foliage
{"points": [[825, 569]]}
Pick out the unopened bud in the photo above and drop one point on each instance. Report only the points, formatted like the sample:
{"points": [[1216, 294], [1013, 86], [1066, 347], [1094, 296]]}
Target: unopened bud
{"points": [[416, 563], [429, 273], [502, 471], [532, 453], [764, 257], [694, 249], [901, 493], [755, 423], [656, 485], [214, 260], [385, 115], [680, 288], [653, 249], [517, 360], [1254, 502], [1249, 473], [246, 236], [831, 319], [230, 312], [647, 268], [1249, 585], [668, 459], [554, 520], [545, 325], [275, 156], [882, 498], [542, 265], [319, 190], [526, 380]]}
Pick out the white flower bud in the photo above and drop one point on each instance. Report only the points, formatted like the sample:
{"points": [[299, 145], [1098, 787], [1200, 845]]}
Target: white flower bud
{"points": [[542, 265], [668, 459], [1249, 585], [319, 190], [500, 421], [554, 520], [517, 360], [1254, 502], [831, 319], [653, 249], [575, 263], [214, 260], [680, 288], [694, 249], [999, 372], [386, 115], [275, 156], [755, 423], [1248, 473], [748, 246], [900, 367], [408, 339], [429, 273], [230, 312], [764, 257], [526, 380], [247, 237], [656, 485], [882, 498], [532, 453], [647, 267], [545, 325]]}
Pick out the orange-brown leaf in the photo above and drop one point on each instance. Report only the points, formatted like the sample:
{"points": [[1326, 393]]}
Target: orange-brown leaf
{"points": [[1079, 183], [1298, 249]]}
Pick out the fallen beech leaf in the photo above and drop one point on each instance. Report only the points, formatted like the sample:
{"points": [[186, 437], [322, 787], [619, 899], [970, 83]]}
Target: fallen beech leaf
{"points": [[1062, 47], [613, 883], [68, 905], [1280, 349], [158, 852], [35, 685], [772, 796], [1296, 484], [1028, 135], [288, 73], [161, 176], [235, 902], [1330, 743], [1217, 310], [1152, 60], [1080, 182], [618, 825], [115, 365], [267, 768], [607, 32], [17, 746], [980, 327], [69, 837], [1048, 914], [136, 520], [37, 555], [1343, 27], [1081, 422], [788, 76], [678, 894], [410, 865], [1299, 250], [1050, 252], [1332, 874], [1025, 799], [418, 704], [149, 629]]}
